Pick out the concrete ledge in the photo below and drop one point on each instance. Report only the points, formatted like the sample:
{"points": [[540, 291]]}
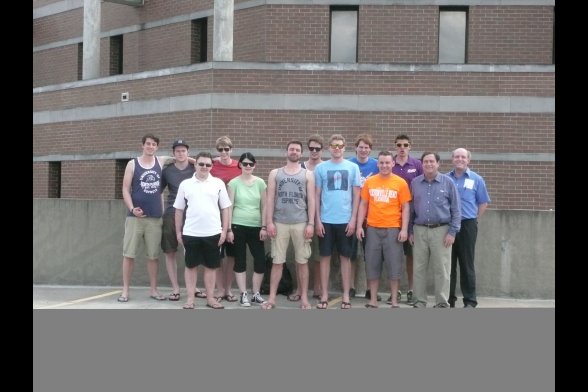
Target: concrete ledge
{"points": [[79, 242]]}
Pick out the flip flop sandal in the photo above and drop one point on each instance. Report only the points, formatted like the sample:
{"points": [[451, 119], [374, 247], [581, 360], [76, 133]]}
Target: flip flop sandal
{"points": [[158, 297], [188, 306], [122, 298], [345, 305], [199, 294], [294, 297], [229, 298], [215, 306], [174, 297], [322, 305]]}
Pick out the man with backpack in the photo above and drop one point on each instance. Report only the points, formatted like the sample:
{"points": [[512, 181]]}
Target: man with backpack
{"points": [[290, 215]]}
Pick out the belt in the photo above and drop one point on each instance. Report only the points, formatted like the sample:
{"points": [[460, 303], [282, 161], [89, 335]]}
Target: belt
{"points": [[434, 226]]}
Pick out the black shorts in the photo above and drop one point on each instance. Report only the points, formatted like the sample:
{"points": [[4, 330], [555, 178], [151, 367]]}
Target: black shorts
{"points": [[202, 250]]}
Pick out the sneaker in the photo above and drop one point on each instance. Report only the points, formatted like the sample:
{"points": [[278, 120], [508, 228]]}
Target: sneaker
{"points": [[244, 300], [258, 299], [441, 305], [409, 297]]}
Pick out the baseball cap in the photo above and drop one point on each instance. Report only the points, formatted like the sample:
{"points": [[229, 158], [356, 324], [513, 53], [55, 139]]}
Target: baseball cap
{"points": [[180, 142]]}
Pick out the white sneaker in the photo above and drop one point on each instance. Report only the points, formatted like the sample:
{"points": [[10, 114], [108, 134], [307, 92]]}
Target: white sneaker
{"points": [[258, 299], [244, 300]]}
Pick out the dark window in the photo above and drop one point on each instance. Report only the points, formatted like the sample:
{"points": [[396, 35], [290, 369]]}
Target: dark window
{"points": [[80, 61], [344, 34], [199, 40], [54, 186], [116, 55], [119, 173], [453, 22]]}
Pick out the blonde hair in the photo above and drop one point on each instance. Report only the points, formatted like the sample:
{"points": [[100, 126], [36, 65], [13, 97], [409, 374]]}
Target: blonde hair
{"points": [[224, 141]]}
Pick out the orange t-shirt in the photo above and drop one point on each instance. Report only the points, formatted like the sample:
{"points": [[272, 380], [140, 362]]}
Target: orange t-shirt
{"points": [[385, 197]]}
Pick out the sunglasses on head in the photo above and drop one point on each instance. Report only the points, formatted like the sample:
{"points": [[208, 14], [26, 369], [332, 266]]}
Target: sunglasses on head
{"points": [[202, 164], [402, 144], [248, 164], [225, 149], [315, 149]]}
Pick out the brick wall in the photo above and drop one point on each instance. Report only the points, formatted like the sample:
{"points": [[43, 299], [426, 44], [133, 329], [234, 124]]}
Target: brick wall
{"points": [[54, 66], [297, 33], [40, 179], [88, 179], [510, 35], [398, 34], [249, 34]]}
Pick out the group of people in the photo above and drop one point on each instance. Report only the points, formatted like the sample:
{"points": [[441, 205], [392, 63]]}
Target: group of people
{"points": [[396, 206]]}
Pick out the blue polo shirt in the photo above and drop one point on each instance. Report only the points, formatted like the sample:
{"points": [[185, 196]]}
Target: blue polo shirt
{"points": [[472, 192]]}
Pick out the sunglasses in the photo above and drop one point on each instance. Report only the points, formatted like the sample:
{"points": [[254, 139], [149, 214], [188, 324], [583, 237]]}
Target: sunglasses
{"points": [[202, 164], [339, 146], [248, 164], [225, 149], [315, 149], [402, 144]]}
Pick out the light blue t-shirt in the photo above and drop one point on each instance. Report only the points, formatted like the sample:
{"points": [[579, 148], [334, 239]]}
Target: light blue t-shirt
{"points": [[336, 181]]}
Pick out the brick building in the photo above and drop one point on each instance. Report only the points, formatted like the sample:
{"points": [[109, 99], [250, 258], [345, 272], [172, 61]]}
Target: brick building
{"points": [[478, 74]]}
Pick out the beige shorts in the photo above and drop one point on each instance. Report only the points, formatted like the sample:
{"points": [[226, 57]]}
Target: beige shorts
{"points": [[139, 231], [280, 243]]}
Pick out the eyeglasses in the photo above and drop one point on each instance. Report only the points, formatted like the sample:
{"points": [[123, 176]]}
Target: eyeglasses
{"points": [[315, 149], [225, 149], [248, 164], [202, 164], [402, 144], [339, 146]]}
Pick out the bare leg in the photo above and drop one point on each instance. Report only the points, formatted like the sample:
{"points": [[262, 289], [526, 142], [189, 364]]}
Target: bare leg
{"points": [[256, 282], [172, 271], [274, 282], [190, 278], [316, 266], [345, 276], [128, 265], [209, 281], [373, 285], [240, 277], [394, 292], [325, 272], [228, 274], [152, 266], [302, 276]]}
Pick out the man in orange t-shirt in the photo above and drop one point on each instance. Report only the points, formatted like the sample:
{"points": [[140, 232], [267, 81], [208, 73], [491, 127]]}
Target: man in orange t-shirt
{"points": [[385, 199]]}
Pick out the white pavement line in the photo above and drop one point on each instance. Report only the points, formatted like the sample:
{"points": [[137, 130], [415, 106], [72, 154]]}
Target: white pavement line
{"points": [[82, 300]]}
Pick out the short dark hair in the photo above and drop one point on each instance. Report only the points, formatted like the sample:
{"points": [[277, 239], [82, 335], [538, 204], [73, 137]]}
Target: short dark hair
{"points": [[150, 136]]}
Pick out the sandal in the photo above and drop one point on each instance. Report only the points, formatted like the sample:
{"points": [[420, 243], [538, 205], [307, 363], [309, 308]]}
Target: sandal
{"points": [[199, 294], [122, 298], [229, 298], [215, 306], [345, 305], [188, 306], [294, 297], [322, 305], [174, 297]]}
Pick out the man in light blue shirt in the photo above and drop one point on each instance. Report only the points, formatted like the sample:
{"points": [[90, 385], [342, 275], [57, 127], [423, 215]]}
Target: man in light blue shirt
{"points": [[474, 201]]}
